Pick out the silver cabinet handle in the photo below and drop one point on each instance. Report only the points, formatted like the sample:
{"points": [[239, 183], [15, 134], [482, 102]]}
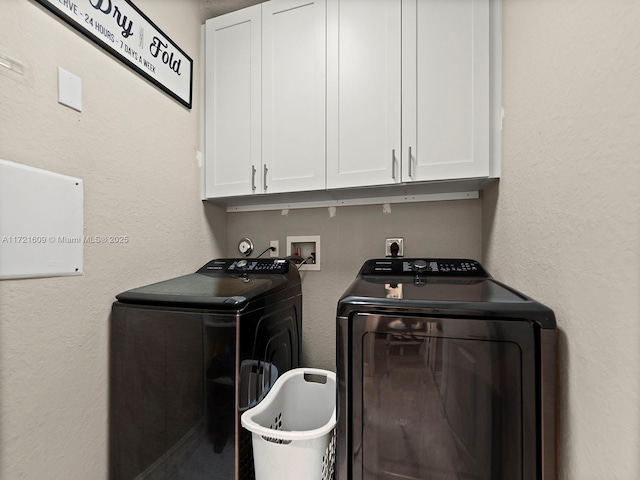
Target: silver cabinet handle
{"points": [[393, 164], [264, 178], [410, 169], [253, 178]]}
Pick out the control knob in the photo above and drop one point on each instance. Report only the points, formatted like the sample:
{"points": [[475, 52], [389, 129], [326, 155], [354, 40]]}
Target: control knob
{"points": [[420, 266]]}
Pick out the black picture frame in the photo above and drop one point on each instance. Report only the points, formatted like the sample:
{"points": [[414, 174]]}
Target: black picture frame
{"points": [[81, 15]]}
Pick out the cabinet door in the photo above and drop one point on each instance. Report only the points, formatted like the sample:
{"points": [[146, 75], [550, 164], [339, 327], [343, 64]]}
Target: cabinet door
{"points": [[232, 103], [364, 80], [445, 89], [293, 82]]}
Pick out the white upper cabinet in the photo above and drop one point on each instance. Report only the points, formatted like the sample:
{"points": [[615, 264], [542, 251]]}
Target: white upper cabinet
{"points": [[265, 99], [233, 104], [445, 89], [321, 99], [408, 91], [293, 95], [364, 92]]}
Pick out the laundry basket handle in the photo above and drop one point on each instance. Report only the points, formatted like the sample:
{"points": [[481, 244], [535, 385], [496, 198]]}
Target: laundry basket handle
{"points": [[315, 378]]}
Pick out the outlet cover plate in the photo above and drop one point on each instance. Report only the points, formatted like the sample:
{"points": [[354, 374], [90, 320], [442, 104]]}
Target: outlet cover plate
{"points": [[69, 89], [389, 241], [275, 244]]}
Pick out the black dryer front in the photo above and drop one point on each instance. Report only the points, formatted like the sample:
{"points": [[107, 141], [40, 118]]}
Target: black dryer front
{"points": [[443, 373]]}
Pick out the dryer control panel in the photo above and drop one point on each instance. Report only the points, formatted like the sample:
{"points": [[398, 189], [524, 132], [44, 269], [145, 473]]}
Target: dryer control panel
{"points": [[240, 265], [445, 267]]}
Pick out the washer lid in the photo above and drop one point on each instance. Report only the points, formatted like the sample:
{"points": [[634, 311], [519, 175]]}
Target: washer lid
{"points": [[438, 287], [427, 289], [222, 284]]}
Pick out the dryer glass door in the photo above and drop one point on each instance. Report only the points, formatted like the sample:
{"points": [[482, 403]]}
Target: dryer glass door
{"points": [[438, 408]]}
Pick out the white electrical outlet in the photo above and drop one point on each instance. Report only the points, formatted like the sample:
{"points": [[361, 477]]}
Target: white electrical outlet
{"points": [[275, 244], [390, 241]]}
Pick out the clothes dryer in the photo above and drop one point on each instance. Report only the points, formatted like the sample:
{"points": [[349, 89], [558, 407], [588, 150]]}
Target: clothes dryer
{"points": [[443, 374]]}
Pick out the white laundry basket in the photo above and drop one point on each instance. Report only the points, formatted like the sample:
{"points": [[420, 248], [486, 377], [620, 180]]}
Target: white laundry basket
{"points": [[293, 428]]}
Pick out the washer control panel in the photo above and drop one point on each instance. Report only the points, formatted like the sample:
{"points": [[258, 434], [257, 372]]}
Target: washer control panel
{"points": [[450, 267], [241, 265]]}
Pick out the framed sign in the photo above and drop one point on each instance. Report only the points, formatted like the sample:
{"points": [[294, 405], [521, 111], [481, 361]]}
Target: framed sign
{"points": [[123, 30]]}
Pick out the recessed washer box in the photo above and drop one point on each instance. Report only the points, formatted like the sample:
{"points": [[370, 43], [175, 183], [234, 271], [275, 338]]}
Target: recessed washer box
{"points": [[307, 247]]}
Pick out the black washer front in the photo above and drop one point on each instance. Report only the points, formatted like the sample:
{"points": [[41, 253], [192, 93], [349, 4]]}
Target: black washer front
{"points": [[188, 356]]}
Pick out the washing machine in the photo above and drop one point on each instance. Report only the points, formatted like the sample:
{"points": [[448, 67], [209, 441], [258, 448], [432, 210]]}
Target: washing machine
{"points": [[443, 373], [188, 356]]}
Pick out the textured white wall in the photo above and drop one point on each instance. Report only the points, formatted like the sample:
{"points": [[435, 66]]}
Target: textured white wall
{"points": [[564, 223], [135, 148]]}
